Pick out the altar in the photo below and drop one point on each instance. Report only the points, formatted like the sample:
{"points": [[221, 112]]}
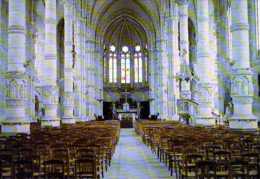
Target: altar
{"points": [[130, 114], [126, 116]]}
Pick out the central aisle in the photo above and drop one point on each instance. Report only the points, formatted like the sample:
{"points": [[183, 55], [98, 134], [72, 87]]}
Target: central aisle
{"points": [[134, 160]]}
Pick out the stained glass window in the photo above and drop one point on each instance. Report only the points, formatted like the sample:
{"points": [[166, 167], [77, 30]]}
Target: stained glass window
{"points": [[125, 65], [112, 65], [138, 65], [122, 63]]}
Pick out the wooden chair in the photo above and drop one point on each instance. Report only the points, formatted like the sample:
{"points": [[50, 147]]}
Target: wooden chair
{"points": [[238, 169], [6, 160], [52, 152], [53, 169], [23, 169], [86, 168], [222, 155], [252, 160], [205, 169], [188, 166], [61, 154], [86, 163]]}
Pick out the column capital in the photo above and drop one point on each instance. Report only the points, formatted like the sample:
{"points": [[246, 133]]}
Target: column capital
{"points": [[182, 2], [160, 40], [202, 10], [239, 26], [183, 10], [69, 2], [92, 42]]}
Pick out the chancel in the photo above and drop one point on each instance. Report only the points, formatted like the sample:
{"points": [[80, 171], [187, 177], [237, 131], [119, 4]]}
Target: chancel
{"points": [[86, 85]]}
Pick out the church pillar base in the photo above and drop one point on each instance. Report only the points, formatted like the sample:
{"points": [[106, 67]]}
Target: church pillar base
{"points": [[248, 123], [204, 97], [68, 120], [205, 121], [15, 128], [81, 119], [50, 123], [175, 117]]}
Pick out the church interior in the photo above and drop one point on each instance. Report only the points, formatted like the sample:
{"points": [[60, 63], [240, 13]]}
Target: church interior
{"points": [[130, 89]]}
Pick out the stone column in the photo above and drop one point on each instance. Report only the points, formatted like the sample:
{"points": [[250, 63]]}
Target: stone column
{"points": [[78, 69], [184, 49], [175, 56], [96, 74], [157, 80], [92, 79], [88, 102], [96, 79], [151, 72], [15, 77], [30, 61], [3, 56], [90, 70], [170, 89], [50, 89], [79, 51], [100, 80], [205, 86], [223, 66], [68, 102], [241, 82], [83, 73], [164, 76]]}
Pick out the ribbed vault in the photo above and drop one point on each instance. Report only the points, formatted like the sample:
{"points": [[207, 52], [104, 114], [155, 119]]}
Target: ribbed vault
{"points": [[124, 30], [128, 21]]}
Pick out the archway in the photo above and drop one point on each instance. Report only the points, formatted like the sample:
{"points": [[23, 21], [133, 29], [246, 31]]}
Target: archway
{"points": [[122, 31]]}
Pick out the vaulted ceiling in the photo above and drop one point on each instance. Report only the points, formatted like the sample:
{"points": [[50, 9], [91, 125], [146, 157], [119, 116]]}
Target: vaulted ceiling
{"points": [[128, 21]]}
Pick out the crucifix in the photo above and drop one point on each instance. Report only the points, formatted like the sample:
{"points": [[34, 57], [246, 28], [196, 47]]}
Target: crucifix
{"points": [[125, 105]]}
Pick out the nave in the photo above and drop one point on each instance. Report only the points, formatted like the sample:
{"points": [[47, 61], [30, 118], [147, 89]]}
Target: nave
{"points": [[154, 149], [134, 160]]}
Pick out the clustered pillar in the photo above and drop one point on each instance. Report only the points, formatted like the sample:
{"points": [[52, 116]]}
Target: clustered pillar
{"points": [[79, 50], [68, 101], [90, 44], [84, 112], [241, 83], [152, 86], [50, 89], [163, 77], [205, 86], [175, 55], [3, 57], [184, 50], [16, 78]]}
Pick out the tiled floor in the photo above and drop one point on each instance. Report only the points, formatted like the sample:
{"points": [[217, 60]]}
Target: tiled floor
{"points": [[134, 160]]}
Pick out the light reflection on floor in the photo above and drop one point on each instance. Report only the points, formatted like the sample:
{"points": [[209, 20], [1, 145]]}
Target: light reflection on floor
{"points": [[134, 160]]}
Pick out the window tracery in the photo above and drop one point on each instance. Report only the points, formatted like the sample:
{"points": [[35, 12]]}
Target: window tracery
{"points": [[120, 65], [112, 64]]}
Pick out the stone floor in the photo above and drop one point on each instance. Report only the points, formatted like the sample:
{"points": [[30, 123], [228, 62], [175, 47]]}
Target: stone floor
{"points": [[134, 160]]}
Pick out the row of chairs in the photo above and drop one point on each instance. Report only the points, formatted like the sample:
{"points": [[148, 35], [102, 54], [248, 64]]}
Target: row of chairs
{"points": [[200, 152], [82, 150]]}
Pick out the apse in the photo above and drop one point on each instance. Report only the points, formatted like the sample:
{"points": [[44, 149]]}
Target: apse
{"points": [[123, 30]]}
